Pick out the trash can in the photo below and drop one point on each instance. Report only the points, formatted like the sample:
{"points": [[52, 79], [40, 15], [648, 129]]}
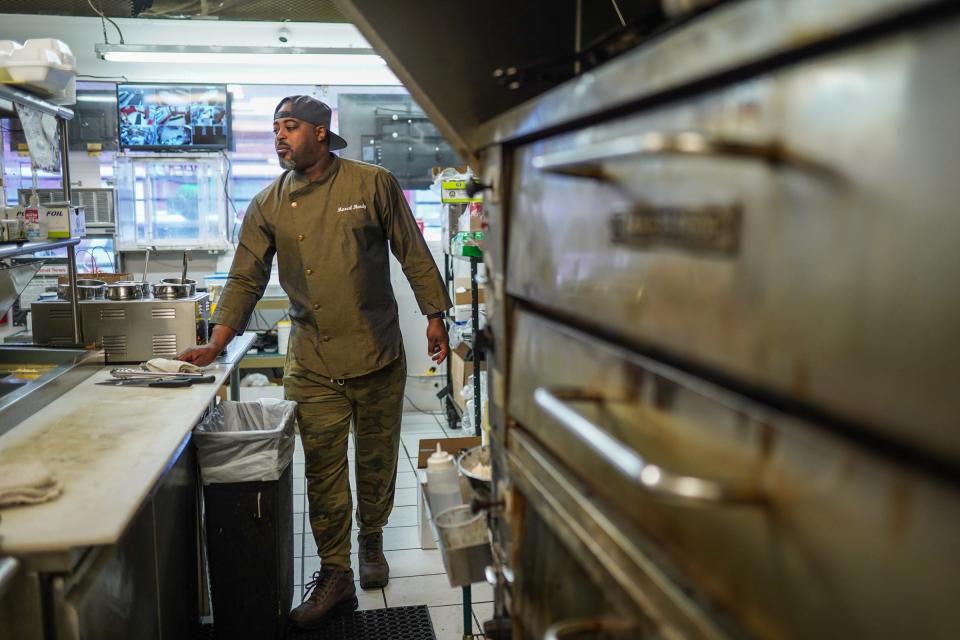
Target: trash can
{"points": [[245, 450]]}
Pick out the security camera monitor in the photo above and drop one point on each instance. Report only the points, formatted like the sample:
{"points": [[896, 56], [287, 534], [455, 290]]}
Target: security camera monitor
{"points": [[175, 117]]}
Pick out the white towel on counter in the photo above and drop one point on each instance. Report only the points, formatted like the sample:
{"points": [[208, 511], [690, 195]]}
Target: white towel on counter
{"points": [[27, 483], [165, 365]]}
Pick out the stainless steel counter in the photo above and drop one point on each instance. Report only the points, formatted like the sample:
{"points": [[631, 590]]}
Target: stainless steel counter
{"points": [[128, 515], [21, 397]]}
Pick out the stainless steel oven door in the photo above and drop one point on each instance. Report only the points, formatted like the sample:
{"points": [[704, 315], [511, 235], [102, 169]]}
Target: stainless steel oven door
{"points": [[788, 529], [796, 233]]}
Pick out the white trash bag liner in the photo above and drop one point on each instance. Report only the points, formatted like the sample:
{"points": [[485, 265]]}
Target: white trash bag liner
{"points": [[246, 441]]}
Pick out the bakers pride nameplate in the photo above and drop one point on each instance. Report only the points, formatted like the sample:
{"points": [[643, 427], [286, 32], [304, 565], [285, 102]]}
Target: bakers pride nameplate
{"points": [[714, 228]]}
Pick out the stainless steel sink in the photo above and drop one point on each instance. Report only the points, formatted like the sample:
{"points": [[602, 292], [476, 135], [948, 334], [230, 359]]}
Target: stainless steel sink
{"points": [[59, 371]]}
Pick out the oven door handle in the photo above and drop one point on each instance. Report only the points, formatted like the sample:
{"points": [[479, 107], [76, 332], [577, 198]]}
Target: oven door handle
{"points": [[589, 162], [8, 571], [649, 477], [573, 628]]}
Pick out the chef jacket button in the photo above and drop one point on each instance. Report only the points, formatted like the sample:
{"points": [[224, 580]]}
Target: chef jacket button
{"points": [[300, 237], [326, 338], [309, 272], [294, 204], [316, 306]]}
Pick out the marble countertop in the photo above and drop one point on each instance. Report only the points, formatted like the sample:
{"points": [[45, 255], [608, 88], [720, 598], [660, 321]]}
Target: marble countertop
{"points": [[108, 446]]}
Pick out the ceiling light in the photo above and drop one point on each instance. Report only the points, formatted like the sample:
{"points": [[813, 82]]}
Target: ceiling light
{"points": [[188, 54]]}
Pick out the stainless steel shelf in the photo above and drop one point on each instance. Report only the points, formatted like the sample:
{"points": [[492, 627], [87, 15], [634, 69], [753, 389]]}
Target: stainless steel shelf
{"points": [[26, 248], [455, 407], [263, 361], [10, 96]]}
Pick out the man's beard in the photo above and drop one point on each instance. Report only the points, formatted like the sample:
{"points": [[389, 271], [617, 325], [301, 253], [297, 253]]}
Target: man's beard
{"points": [[288, 162]]}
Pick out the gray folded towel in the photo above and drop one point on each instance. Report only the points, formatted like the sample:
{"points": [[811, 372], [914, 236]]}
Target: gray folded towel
{"points": [[27, 483]]}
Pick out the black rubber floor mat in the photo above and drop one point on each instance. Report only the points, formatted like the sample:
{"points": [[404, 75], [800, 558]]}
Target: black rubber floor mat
{"points": [[397, 623]]}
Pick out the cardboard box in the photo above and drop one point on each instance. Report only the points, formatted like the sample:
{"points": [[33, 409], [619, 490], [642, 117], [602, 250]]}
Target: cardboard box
{"points": [[460, 370], [106, 277], [463, 293], [63, 221], [453, 446]]}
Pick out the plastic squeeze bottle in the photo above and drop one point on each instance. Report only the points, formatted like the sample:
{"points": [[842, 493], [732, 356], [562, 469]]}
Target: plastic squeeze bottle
{"points": [[31, 219], [443, 482]]}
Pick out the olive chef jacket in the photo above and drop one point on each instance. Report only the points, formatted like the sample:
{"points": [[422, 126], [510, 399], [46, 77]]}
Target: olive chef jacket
{"points": [[330, 237]]}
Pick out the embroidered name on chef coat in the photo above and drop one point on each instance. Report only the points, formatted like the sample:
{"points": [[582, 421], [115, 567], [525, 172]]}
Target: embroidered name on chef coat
{"points": [[351, 207]]}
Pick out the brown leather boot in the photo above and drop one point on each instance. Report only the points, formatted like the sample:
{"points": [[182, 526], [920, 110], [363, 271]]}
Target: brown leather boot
{"points": [[329, 593], [374, 570]]}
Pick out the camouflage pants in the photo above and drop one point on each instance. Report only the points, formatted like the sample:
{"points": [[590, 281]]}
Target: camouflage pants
{"points": [[373, 404]]}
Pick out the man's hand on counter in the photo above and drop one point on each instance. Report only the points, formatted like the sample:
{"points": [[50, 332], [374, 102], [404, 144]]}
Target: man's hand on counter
{"points": [[203, 355]]}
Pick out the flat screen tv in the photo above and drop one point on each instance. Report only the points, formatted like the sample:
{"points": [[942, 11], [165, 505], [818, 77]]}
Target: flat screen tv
{"points": [[173, 117]]}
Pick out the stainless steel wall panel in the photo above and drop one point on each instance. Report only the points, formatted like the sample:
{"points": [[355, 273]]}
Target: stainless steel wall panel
{"points": [[796, 232], [792, 531]]}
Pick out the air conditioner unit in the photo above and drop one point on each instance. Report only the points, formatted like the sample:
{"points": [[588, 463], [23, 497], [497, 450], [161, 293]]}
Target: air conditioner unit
{"points": [[97, 202]]}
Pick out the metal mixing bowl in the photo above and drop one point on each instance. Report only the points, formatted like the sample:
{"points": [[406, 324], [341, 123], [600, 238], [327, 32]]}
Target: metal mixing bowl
{"points": [[482, 487]]}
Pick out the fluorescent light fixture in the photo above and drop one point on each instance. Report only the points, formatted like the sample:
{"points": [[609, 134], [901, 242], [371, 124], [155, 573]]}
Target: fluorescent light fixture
{"points": [[191, 54]]}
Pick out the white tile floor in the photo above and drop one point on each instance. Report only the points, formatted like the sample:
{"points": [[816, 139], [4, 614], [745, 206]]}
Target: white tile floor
{"points": [[416, 576]]}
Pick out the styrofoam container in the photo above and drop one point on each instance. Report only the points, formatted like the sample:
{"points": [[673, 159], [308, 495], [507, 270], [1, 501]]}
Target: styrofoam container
{"points": [[61, 48], [45, 65], [6, 48], [69, 93], [9, 46]]}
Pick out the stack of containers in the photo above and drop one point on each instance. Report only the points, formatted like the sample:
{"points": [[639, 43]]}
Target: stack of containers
{"points": [[7, 47], [44, 66]]}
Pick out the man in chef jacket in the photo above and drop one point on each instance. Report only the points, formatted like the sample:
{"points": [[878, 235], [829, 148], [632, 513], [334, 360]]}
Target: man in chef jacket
{"points": [[329, 222]]}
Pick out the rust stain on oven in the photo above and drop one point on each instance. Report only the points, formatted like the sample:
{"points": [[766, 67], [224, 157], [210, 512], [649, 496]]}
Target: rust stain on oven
{"points": [[768, 441], [634, 378], [665, 394], [801, 379], [900, 509]]}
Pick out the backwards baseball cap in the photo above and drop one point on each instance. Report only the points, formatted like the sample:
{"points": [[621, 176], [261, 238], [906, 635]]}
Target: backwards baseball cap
{"points": [[309, 109]]}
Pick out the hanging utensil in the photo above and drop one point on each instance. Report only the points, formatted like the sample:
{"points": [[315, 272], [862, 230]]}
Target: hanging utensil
{"points": [[146, 265], [183, 276]]}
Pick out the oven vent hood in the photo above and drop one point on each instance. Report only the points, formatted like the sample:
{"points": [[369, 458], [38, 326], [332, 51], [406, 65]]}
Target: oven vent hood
{"points": [[446, 54]]}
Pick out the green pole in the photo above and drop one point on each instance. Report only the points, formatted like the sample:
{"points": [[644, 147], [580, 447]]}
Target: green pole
{"points": [[467, 613]]}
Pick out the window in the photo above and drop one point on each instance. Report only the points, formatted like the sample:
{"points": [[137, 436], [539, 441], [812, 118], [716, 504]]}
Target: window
{"points": [[174, 202]]}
